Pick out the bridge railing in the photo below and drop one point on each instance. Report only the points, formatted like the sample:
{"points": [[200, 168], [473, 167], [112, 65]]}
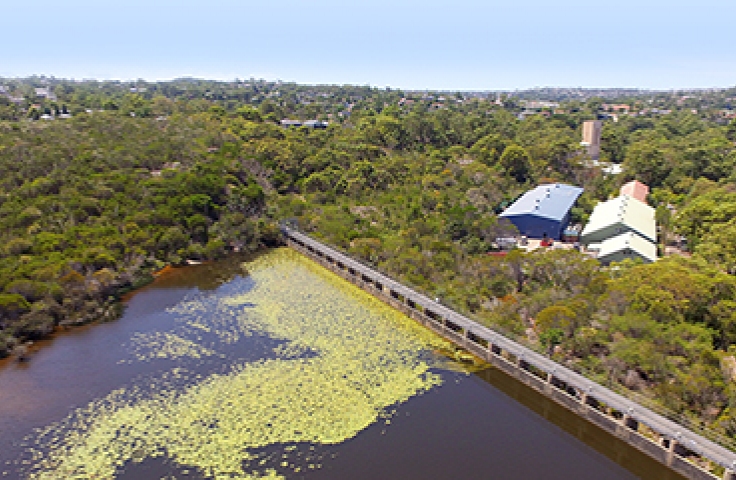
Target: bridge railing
{"points": [[292, 224], [638, 398], [705, 442]]}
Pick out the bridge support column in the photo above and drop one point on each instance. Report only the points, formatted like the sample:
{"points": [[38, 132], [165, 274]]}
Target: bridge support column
{"points": [[629, 422], [729, 474], [550, 385], [583, 403], [520, 364], [671, 450]]}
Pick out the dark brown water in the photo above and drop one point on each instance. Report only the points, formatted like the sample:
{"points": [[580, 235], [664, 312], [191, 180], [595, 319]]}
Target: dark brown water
{"points": [[480, 426]]}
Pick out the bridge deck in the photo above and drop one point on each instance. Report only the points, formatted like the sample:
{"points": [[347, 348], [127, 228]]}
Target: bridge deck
{"points": [[659, 424]]}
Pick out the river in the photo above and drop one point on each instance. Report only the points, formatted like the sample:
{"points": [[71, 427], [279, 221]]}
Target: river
{"points": [[272, 367]]}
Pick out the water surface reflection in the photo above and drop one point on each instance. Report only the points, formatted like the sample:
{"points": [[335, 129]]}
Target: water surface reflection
{"points": [[484, 425]]}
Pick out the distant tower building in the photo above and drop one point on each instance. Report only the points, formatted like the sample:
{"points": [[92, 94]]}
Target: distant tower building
{"points": [[592, 138]]}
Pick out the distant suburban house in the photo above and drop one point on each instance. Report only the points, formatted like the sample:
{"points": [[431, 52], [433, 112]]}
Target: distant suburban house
{"points": [[308, 123], [622, 107], [315, 124], [620, 215], [5, 91], [608, 168], [626, 245], [543, 212], [45, 93], [540, 105]]}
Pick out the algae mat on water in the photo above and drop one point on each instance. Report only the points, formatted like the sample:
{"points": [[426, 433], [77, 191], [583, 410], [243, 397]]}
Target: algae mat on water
{"points": [[344, 359]]}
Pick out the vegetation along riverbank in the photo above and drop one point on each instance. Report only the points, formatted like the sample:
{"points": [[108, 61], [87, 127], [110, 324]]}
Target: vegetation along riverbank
{"points": [[114, 184]]}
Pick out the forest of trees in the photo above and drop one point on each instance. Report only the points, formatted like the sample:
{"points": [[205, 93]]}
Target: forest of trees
{"points": [[91, 205]]}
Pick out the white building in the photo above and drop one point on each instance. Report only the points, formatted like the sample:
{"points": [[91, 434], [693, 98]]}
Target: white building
{"points": [[626, 245], [620, 215], [46, 93]]}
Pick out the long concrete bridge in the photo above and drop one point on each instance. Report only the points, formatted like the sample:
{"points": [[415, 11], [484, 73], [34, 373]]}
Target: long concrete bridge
{"points": [[668, 442]]}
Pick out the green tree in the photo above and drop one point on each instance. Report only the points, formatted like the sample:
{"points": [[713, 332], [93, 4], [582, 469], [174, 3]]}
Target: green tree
{"points": [[516, 163]]}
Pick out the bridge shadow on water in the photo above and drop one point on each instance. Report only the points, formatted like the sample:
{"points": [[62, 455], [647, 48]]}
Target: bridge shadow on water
{"points": [[617, 450]]}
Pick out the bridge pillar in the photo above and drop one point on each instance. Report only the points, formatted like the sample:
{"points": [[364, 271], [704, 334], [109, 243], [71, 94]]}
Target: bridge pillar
{"points": [[729, 474], [583, 402], [671, 450], [629, 422]]}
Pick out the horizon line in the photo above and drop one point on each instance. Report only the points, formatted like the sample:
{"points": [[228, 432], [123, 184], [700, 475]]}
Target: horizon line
{"points": [[366, 85]]}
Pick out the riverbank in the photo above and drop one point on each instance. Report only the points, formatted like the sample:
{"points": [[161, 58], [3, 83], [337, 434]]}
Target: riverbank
{"points": [[296, 369], [102, 303]]}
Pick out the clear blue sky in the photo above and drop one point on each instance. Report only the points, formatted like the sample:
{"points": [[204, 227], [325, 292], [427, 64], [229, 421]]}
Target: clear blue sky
{"points": [[453, 45]]}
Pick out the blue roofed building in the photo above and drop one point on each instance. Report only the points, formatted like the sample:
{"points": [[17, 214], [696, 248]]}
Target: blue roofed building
{"points": [[543, 212]]}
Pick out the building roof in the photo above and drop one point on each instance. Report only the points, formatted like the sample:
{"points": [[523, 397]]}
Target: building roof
{"points": [[551, 201], [307, 123], [625, 210], [631, 242], [635, 189], [315, 123]]}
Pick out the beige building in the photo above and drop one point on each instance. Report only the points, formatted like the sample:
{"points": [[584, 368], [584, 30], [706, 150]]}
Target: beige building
{"points": [[619, 215], [626, 245], [623, 227], [592, 138]]}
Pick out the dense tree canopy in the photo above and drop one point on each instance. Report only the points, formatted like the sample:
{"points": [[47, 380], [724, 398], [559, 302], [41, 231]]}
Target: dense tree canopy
{"points": [[413, 183]]}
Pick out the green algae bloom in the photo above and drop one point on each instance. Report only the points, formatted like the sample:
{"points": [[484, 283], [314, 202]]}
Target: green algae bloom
{"points": [[344, 359]]}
